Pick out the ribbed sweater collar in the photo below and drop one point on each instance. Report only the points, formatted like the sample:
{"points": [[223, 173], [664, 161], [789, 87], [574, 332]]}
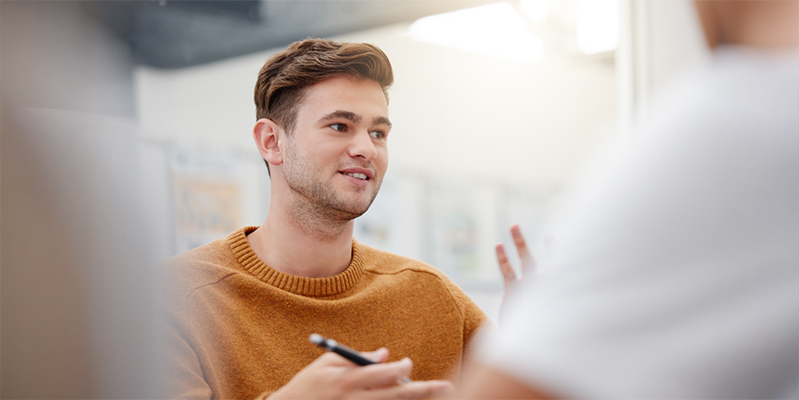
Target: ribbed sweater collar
{"points": [[316, 287]]}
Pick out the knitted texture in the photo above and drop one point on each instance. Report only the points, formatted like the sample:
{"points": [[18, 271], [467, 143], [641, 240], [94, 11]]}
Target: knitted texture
{"points": [[239, 329]]}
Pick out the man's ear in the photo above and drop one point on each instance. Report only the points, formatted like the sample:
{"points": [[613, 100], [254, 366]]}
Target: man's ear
{"points": [[267, 135]]}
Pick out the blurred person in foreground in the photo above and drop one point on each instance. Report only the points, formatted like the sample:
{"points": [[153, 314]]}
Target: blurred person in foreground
{"points": [[676, 275], [242, 309]]}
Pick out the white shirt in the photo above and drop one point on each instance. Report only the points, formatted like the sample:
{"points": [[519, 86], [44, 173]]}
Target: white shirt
{"points": [[677, 273]]}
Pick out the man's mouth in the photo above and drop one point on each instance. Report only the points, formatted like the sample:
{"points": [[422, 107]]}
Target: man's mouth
{"points": [[356, 175]]}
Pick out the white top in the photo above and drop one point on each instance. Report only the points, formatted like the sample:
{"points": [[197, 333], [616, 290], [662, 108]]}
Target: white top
{"points": [[677, 273]]}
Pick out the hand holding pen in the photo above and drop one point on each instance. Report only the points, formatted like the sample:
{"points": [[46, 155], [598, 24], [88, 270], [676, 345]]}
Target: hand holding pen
{"points": [[346, 352], [332, 376]]}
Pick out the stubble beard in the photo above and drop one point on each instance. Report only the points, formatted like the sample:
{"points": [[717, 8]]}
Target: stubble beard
{"points": [[317, 207]]}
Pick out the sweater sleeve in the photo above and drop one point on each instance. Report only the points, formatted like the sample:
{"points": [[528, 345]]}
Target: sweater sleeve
{"points": [[473, 320], [184, 373], [473, 317], [184, 377]]}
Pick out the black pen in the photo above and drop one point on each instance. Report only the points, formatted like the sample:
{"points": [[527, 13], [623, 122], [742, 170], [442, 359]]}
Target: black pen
{"points": [[344, 351]]}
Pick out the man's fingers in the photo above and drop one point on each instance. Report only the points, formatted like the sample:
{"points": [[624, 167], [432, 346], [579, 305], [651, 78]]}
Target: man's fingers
{"points": [[518, 239], [415, 390], [333, 360], [378, 375], [379, 356], [504, 265], [528, 263]]}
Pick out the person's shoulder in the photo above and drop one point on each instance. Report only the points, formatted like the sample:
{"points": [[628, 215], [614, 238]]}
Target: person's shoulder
{"points": [[381, 262], [200, 266], [417, 279]]}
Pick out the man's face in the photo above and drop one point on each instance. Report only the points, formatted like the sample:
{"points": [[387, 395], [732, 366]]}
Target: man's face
{"points": [[337, 154]]}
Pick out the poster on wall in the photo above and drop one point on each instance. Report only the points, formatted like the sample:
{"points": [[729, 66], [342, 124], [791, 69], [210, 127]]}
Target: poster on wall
{"points": [[379, 226], [392, 222], [460, 230], [207, 196]]}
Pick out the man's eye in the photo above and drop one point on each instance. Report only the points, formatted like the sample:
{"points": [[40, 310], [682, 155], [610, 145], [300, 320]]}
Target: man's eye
{"points": [[339, 127], [377, 134]]}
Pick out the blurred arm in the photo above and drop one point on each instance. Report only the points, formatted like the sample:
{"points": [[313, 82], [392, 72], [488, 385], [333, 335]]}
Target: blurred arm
{"points": [[483, 382]]}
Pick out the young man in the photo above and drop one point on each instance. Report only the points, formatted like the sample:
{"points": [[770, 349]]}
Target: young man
{"points": [[678, 277], [242, 309]]}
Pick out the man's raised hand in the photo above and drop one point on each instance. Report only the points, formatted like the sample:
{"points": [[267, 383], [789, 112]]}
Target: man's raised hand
{"points": [[510, 278]]}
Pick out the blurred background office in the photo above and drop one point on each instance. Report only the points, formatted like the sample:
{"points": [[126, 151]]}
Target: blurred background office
{"points": [[126, 138]]}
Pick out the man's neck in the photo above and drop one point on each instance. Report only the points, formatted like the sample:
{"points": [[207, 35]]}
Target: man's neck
{"points": [[303, 246]]}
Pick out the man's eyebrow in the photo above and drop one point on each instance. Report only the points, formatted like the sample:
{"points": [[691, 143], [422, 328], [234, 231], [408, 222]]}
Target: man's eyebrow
{"points": [[381, 121], [341, 114], [355, 118]]}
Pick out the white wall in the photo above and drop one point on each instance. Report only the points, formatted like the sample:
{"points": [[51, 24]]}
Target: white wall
{"points": [[452, 110]]}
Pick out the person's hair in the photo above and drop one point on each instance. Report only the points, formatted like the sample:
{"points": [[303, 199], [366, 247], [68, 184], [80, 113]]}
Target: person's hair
{"points": [[286, 76]]}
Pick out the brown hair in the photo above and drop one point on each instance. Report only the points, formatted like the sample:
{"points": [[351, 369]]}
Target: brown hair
{"points": [[284, 78]]}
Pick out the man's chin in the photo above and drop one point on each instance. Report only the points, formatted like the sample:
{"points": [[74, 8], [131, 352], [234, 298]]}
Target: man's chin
{"points": [[357, 212], [352, 210]]}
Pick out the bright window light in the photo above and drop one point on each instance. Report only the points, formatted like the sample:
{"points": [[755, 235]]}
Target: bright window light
{"points": [[537, 10], [597, 25], [495, 29]]}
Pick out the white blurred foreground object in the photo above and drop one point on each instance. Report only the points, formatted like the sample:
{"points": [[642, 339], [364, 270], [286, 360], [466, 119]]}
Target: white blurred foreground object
{"points": [[677, 275], [79, 294]]}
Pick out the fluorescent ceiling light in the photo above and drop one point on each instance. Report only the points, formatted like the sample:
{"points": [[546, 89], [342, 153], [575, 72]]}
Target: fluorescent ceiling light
{"points": [[495, 29], [597, 25]]}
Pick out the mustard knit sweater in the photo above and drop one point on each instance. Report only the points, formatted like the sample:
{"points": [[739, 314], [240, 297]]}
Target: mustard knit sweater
{"points": [[239, 329]]}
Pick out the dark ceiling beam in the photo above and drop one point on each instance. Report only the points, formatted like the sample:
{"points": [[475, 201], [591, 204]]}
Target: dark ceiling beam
{"points": [[176, 34]]}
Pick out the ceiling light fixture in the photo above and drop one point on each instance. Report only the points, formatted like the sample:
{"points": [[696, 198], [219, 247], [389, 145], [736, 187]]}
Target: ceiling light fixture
{"points": [[495, 29], [597, 25]]}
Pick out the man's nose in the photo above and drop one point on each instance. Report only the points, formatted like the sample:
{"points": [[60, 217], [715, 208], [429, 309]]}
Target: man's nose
{"points": [[362, 146]]}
